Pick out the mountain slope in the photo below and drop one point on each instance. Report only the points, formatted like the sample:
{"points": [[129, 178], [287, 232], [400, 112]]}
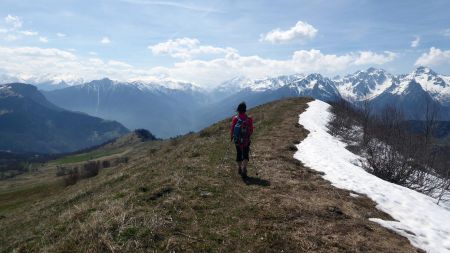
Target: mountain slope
{"points": [[410, 97], [165, 111], [259, 85], [170, 108], [30, 123], [184, 195], [258, 92], [364, 85], [437, 86], [412, 93], [43, 83]]}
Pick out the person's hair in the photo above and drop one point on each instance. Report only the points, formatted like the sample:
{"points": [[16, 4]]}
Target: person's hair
{"points": [[242, 107]]}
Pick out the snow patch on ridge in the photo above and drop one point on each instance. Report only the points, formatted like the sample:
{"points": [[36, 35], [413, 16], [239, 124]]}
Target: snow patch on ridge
{"points": [[416, 215]]}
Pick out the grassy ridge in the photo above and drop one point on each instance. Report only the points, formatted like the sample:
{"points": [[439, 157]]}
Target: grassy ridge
{"points": [[184, 195]]}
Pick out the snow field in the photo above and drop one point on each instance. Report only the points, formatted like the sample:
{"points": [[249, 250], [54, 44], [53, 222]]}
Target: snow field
{"points": [[416, 215]]}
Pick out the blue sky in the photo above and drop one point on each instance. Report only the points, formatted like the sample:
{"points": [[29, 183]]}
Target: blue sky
{"points": [[207, 42]]}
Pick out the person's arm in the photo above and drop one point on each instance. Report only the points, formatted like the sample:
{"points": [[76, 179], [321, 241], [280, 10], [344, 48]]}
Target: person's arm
{"points": [[251, 126], [233, 123]]}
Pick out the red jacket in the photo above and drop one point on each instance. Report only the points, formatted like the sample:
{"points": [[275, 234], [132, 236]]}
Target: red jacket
{"points": [[242, 116]]}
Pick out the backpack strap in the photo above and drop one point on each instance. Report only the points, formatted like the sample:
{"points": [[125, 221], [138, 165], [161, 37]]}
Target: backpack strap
{"points": [[245, 119]]}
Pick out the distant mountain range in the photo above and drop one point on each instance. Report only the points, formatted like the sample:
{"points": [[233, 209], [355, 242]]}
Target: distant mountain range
{"points": [[170, 108], [166, 110], [412, 93], [30, 123], [46, 82]]}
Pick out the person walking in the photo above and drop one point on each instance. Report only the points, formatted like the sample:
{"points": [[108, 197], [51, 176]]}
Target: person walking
{"points": [[241, 131]]}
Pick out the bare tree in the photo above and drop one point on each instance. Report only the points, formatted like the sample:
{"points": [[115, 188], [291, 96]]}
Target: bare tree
{"points": [[366, 117], [431, 113], [392, 152]]}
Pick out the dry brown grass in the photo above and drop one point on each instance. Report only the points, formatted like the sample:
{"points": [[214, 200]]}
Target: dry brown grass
{"points": [[184, 195]]}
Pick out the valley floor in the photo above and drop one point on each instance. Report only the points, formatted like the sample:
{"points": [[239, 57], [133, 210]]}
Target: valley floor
{"points": [[184, 195]]}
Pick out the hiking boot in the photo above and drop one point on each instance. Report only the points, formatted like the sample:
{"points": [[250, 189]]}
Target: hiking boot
{"points": [[244, 173]]}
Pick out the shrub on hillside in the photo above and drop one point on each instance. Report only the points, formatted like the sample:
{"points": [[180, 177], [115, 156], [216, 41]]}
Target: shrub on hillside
{"points": [[90, 169], [72, 178], [390, 151], [106, 164], [62, 171]]}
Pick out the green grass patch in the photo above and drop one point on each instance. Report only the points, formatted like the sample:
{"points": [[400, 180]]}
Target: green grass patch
{"points": [[119, 195], [128, 233], [85, 156], [19, 197]]}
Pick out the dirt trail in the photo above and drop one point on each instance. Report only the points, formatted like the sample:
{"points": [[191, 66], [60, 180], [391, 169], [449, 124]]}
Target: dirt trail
{"points": [[309, 214]]}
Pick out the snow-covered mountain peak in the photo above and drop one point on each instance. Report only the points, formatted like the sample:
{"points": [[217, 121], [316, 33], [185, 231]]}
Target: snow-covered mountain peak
{"points": [[314, 76], [438, 86], [407, 87], [234, 85], [45, 82], [366, 84], [274, 83], [104, 84], [165, 84], [422, 70], [375, 74], [107, 84], [239, 83], [239, 80], [375, 71], [425, 76], [315, 85], [309, 82], [318, 79]]}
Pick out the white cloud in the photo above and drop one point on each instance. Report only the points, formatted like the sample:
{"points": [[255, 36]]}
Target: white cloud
{"points": [[61, 35], [14, 21], [435, 56], [301, 32], [415, 42], [50, 63], [119, 64], [10, 37], [54, 64], [12, 32], [186, 48], [29, 33], [105, 40], [371, 58], [207, 73], [93, 53], [43, 39], [314, 60], [96, 61]]}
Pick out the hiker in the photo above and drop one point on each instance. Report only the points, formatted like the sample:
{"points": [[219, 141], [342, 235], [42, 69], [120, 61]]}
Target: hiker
{"points": [[241, 131]]}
